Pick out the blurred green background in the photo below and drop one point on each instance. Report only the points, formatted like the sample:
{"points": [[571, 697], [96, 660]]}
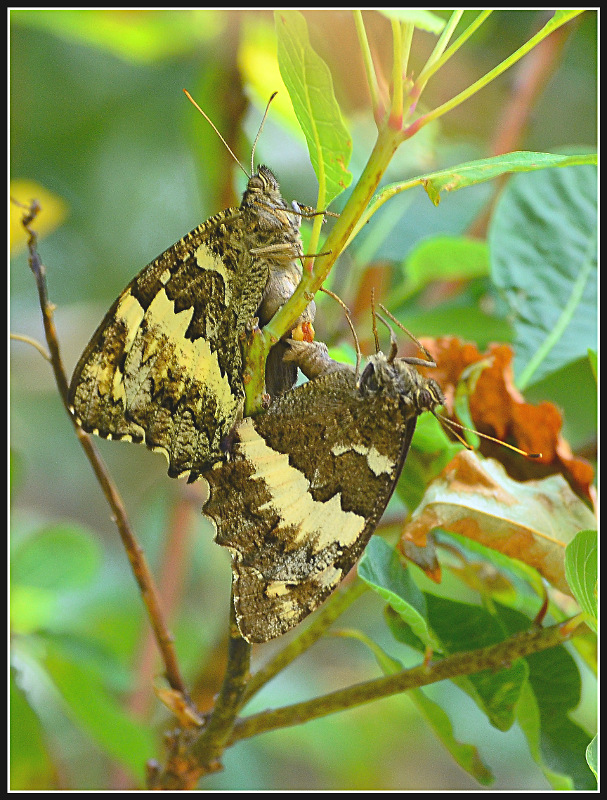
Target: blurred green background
{"points": [[124, 167]]}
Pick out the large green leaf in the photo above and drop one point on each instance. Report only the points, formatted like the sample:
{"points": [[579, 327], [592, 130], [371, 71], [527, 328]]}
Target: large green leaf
{"points": [[72, 551], [381, 569], [466, 755], [30, 761], [96, 711], [310, 87], [543, 243]]}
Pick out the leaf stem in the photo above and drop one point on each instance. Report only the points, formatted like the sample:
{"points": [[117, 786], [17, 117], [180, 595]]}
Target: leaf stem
{"points": [[435, 63], [367, 62]]}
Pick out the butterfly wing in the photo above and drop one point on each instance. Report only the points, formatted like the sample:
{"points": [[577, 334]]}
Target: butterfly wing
{"points": [[301, 497], [164, 366]]}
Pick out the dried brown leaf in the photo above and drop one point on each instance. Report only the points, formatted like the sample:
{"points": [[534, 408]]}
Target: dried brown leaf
{"points": [[532, 521]]}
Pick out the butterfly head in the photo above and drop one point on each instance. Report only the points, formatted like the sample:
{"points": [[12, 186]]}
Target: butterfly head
{"points": [[262, 187], [395, 378], [262, 200]]}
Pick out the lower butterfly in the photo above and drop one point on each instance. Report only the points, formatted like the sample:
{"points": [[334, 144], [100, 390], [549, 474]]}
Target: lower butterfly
{"points": [[308, 481]]}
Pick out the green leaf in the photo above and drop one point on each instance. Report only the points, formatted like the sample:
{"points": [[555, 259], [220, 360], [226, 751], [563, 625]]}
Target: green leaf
{"points": [[387, 664], [310, 87], [471, 173], [32, 608], [141, 38], [581, 571], [381, 569], [466, 755], [56, 558], [462, 627], [543, 243], [556, 683], [487, 169], [529, 720], [592, 358], [30, 764], [98, 713], [592, 756], [443, 258]]}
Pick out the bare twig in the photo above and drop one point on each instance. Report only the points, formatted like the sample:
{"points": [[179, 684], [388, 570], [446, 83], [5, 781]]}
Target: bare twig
{"points": [[21, 337]]}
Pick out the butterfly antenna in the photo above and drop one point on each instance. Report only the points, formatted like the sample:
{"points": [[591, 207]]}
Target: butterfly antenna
{"points": [[449, 423], [409, 334], [349, 320], [259, 133], [229, 149]]}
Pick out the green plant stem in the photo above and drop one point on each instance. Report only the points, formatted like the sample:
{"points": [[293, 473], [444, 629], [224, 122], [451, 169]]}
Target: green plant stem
{"points": [[315, 271], [387, 142], [435, 63], [396, 111], [550, 26], [407, 38], [365, 50], [442, 42]]}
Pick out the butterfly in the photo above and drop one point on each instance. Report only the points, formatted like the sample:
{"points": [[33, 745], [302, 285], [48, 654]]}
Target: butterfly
{"points": [[164, 367], [307, 482]]}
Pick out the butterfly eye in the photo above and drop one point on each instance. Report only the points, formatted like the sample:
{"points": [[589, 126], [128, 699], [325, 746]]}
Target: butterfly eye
{"points": [[256, 183]]}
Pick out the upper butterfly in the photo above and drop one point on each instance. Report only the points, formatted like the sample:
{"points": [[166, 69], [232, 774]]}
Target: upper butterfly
{"points": [[165, 365]]}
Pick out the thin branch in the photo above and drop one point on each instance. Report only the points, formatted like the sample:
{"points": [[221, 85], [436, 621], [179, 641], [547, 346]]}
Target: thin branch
{"points": [[21, 337], [212, 743], [555, 23], [495, 657], [139, 565], [396, 110], [438, 58], [365, 50]]}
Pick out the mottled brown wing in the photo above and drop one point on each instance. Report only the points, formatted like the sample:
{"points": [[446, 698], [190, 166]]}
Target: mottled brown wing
{"points": [[297, 504], [164, 367]]}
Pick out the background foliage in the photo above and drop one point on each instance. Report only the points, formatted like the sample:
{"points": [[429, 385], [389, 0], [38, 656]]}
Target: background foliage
{"points": [[99, 123]]}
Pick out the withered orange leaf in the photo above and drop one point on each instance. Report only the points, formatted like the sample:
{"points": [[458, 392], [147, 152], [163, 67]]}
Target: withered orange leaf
{"points": [[498, 409], [532, 521]]}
